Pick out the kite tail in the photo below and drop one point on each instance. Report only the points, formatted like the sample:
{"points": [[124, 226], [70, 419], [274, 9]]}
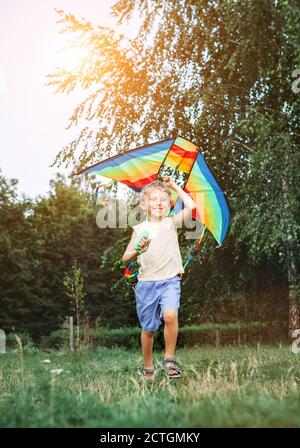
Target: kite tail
{"points": [[195, 250], [128, 272]]}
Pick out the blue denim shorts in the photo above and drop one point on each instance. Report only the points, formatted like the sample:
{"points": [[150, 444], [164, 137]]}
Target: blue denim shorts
{"points": [[153, 297]]}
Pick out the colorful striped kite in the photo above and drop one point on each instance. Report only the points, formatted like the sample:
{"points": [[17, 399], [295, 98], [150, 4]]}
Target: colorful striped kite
{"points": [[181, 159]]}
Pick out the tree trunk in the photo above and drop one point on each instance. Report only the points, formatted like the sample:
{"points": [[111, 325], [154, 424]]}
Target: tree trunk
{"points": [[77, 318], [294, 314], [71, 329], [218, 338]]}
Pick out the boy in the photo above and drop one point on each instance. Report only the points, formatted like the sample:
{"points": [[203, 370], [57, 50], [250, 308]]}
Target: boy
{"points": [[157, 292]]}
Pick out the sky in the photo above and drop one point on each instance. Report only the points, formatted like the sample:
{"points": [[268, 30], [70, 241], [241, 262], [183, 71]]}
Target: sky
{"points": [[33, 119]]}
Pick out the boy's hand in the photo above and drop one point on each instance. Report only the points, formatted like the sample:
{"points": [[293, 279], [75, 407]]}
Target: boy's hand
{"points": [[144, 244], [169, 181]]}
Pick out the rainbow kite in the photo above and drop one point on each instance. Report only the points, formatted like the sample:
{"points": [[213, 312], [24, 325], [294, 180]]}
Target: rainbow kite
{"points": [[183, 161]]}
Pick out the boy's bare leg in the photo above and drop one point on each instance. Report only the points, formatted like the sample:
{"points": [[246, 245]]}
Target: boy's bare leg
{"points": [[147, 338], [170, 333]]}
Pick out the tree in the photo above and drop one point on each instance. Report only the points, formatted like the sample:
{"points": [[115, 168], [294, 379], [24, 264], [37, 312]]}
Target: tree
{"points": [[74, 284], [38, 242], [16, 267], [218, 73]]}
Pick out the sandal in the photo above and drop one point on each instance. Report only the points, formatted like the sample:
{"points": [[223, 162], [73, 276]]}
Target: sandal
{"points": [[170, 364], [149, 373]]}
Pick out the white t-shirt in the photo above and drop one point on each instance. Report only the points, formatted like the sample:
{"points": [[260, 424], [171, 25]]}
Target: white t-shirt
{"points": [[163, 259]]}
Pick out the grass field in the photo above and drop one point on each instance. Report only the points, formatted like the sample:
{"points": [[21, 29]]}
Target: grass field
{"points": [[221, 387]]}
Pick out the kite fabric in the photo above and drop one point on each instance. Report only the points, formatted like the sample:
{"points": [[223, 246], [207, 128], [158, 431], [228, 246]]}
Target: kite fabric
{"points": [[182, 160]]}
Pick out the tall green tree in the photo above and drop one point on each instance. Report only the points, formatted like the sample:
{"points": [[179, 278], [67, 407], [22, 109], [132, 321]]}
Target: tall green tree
{"points": [[39, 242], [219, 73], [16, 273]]}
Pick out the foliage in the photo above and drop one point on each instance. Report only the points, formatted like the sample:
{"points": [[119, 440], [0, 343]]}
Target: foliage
{"points": [[235, 333], [39, 242], [74, 285], [219, 73]]}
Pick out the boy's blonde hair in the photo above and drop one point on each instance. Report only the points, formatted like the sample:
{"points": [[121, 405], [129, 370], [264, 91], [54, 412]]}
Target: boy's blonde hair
{"points": [[156, 185]]}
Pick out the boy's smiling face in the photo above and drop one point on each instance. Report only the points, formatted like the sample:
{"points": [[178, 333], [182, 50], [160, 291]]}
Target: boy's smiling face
{"points": [[157, 204]]}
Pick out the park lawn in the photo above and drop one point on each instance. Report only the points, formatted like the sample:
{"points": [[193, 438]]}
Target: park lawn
{"points": [[239, 386]]}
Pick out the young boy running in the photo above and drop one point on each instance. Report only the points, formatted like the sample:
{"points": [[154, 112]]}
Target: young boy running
{"points": [[157, 291]]}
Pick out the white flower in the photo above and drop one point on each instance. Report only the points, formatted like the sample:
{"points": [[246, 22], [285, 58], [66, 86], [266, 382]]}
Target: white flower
{"points": [[57, 371], [46, 361]]}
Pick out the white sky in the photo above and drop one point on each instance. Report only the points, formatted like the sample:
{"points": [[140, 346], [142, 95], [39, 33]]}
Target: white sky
{"points": [[33, 119]]}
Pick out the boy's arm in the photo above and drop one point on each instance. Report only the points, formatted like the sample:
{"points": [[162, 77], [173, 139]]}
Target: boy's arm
{"points": [[189, 203], [130, 253]]}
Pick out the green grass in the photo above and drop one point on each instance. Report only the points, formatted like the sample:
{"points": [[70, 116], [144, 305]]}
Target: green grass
{"points": [[221, 387]]}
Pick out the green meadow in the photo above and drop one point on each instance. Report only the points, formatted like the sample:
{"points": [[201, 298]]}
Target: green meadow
{"points": [[248, 386]]}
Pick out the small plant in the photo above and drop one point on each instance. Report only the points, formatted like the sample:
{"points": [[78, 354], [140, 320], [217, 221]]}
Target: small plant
{"points": [[74, 285], [21, 357]]}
